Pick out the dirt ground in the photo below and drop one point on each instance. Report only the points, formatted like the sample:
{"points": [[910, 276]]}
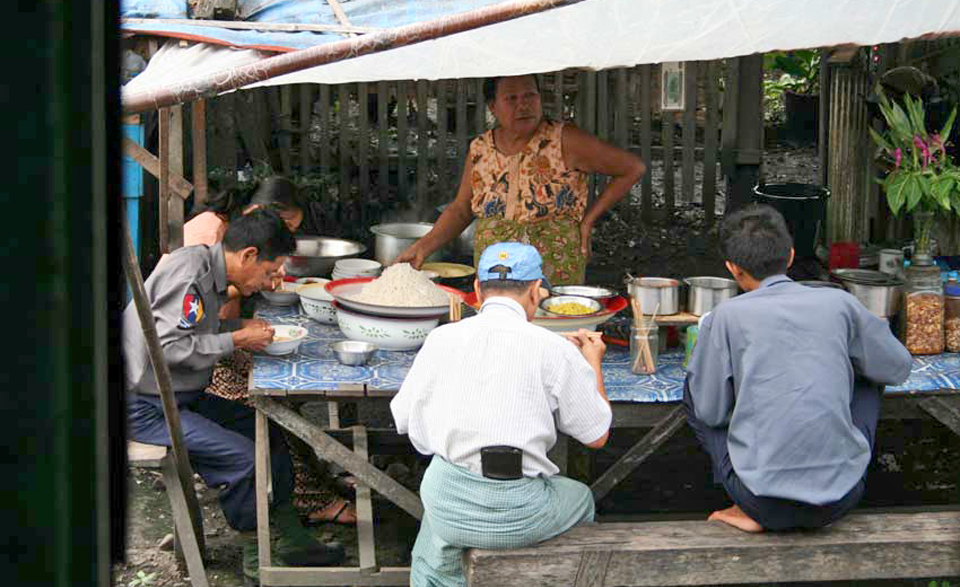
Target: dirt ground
{"points": [[916, 463]]}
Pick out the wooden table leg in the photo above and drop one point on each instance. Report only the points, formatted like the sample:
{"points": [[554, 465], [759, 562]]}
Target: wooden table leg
{"points": [[944, 409], [365, 540], [262, 456], [617, 472], [328, 449]]}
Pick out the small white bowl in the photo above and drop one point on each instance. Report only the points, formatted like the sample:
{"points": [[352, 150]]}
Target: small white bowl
{"points": [[317, 303], [392, 334], [286, 295], [357, 265], [290, 339]]}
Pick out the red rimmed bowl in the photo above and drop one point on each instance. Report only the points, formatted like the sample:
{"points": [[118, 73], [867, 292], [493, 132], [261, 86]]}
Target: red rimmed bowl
{"points": [[567, 323]]}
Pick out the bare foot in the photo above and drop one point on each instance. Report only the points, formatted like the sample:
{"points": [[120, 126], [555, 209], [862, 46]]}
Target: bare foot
{"points": [[338, 511], [734, 516]]}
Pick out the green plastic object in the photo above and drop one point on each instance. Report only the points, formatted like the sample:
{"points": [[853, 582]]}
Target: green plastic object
{"points": [[692, 332]]}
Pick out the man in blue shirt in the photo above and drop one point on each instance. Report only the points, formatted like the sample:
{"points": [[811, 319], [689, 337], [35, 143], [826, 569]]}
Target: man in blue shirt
{"points": [[783, 389]]}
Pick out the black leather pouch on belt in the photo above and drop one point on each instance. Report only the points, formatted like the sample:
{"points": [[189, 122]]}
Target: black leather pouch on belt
{"points": [[501, 462]]}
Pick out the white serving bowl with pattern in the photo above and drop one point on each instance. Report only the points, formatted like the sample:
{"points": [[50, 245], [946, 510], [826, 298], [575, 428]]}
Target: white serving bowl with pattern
{"points": [[388, 333], [317, 303]]}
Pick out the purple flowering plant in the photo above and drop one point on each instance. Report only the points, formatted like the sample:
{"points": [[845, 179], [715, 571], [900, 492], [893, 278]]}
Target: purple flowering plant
{"points": [[921, 176]]}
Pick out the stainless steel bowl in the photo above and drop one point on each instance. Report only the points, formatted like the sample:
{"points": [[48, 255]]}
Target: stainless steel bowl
{"points": [[316, 255], [591, 303], [395, 237], [707, 292], [656, 292], [353, 352], [878, 292], [587, 291]]}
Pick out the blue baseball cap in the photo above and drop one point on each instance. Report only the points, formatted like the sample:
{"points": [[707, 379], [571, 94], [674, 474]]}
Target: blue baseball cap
{"points": [[510, 261]]}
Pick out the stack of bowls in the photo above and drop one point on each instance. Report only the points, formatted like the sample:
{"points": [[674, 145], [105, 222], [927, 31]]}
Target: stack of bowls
{"points": [[316, 302], [350, 268]]}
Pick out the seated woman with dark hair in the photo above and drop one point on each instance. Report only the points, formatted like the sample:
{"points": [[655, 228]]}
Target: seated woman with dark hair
{"points": [[783, 388]]}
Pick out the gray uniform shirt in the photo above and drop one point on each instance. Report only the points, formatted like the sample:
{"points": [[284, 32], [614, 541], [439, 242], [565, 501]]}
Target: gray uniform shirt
{"points": [[776, 365], [185, 291]]}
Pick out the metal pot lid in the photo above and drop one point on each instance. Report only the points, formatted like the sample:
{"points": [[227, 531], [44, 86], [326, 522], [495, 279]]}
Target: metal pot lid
{"points": [[866, 277]]}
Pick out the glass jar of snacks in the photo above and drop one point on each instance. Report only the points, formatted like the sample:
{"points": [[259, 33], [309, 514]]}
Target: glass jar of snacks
{"points": [[922, 330], [951, 316], [644, 347]]}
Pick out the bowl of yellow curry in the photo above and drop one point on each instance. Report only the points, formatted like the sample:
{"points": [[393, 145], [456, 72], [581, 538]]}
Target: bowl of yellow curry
{"points": [[570, 306]]}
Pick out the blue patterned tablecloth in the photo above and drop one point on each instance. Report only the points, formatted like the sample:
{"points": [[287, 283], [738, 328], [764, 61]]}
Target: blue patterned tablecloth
{"points": [[314, 367]]}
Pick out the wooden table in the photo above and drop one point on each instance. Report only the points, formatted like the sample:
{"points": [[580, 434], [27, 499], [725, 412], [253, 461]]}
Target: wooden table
{"points": [[638, 401]]}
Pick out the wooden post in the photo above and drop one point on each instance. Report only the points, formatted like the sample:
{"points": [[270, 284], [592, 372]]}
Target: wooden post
{"points": [[199, 136], [306, 116], [164, 185], [175, 205], [847, 152], [646, 112], [710, 140], [742, 129]]}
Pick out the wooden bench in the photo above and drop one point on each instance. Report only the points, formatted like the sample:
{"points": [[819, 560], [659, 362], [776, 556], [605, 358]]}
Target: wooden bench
{"points": [[860, 546]]}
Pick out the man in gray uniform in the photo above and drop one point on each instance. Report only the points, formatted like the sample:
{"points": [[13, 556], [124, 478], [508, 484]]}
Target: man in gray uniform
{"points": [[185, 291], [783, 389]]}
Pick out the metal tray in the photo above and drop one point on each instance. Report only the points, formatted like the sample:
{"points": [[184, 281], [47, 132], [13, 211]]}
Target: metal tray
{"points": [[343, 291]]}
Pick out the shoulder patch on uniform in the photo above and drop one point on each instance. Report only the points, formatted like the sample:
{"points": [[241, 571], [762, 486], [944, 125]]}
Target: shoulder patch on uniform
{"points": [[192, 310]]}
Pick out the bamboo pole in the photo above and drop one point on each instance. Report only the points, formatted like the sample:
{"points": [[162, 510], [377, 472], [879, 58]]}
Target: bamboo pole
{"points": [[222, 81]]}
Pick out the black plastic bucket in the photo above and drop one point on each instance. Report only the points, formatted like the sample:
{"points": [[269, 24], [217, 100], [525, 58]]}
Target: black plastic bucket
{"points": [[804, 207]]}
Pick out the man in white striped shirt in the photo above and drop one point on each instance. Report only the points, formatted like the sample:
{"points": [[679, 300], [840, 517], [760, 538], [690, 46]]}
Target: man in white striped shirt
{"points": [[486, 397]]}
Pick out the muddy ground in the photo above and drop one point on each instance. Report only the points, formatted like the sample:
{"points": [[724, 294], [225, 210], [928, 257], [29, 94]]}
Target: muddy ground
{"points": [[916, 463]]}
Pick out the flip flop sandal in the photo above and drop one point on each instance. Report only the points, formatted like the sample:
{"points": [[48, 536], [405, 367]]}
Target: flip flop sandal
{"points": [[334, 520]]}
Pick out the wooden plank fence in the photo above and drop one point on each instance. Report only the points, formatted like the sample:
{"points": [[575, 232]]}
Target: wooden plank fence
{"points": [[395, 149]]}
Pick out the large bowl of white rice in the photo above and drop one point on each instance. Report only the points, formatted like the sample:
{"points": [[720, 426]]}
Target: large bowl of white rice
{"points": [[401, 292]]}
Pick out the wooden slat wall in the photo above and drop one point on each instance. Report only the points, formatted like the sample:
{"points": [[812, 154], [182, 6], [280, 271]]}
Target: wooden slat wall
{"points": [[382, 159]]}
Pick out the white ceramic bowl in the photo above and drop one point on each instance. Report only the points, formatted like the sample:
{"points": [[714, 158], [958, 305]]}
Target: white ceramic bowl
{"points": [[364, 267], [286, 339], [317, 303], [392, 334], [286, 295]]}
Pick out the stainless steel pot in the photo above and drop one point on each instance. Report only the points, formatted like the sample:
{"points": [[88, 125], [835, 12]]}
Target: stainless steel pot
{"points": [[878, 292], [395, 237], [655, 291], [463, 244], [707, 292], [316, 255]]}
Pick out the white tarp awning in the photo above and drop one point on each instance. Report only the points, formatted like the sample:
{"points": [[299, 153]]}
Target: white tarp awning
{"points": [[599, 34]]}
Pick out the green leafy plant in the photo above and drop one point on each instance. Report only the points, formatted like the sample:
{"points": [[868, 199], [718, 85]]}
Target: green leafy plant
{"points": [[921, 176], [142, 579], [800, 71], [796, 71]]}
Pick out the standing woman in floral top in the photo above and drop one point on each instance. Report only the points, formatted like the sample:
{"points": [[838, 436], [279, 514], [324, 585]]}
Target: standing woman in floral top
{"points": [[526, 180]]}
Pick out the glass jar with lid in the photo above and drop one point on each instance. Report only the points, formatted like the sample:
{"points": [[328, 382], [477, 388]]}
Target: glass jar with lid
{"points": [[923, 310], [951, 316]]}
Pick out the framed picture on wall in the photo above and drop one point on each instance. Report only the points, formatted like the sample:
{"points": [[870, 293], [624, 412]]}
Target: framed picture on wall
{"points": [[672, 96]]}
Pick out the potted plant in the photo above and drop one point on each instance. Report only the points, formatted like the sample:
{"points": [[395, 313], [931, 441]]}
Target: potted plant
{"points": [[921, 178], [799, 87]]}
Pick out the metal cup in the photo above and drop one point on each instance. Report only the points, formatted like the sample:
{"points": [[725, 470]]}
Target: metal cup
{"points": [[891, 262]]}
